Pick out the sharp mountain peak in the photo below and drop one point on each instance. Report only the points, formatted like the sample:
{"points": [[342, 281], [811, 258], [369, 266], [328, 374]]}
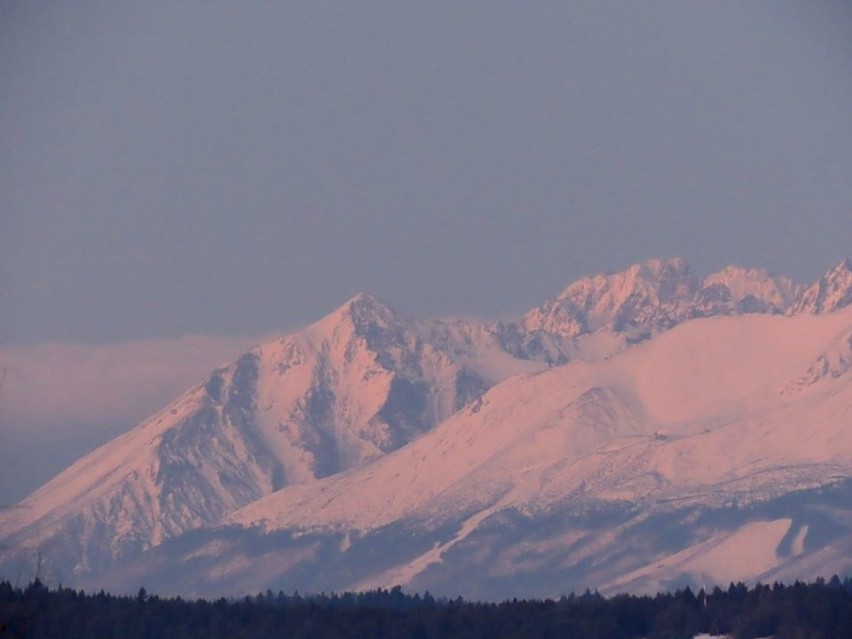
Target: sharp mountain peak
{"points": [[361, 311]]}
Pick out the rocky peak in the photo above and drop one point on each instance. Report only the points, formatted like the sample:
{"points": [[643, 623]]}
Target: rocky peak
{"points": [[643, 295], [754, 289], [364, 309], [830, 293], [656, 279], [655, 295], [363, 315]]}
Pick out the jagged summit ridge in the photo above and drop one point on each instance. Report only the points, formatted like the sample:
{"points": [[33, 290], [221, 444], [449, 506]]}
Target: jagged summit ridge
{"points": [[653, 296], [642, 294], [777, 292], [831, 292]]}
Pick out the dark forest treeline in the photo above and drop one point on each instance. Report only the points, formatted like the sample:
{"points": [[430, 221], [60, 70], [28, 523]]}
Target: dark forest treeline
{"points": [[819, 610]]}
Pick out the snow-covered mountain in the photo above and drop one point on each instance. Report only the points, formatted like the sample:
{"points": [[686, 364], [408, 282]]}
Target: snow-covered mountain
{"points": [[398, 450], [357, 384], [722, 448]]}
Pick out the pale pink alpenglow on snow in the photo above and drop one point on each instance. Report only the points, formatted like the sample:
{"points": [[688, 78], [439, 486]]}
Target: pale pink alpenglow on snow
{"points": [[637, 431]]}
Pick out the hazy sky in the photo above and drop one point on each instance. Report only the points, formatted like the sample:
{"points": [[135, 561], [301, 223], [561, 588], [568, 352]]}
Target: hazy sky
{"points": [[235, 168], [232, 168]]}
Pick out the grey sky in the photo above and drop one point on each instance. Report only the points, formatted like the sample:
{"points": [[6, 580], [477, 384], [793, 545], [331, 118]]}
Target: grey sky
{"points": [[212, 167], [233, 169]]}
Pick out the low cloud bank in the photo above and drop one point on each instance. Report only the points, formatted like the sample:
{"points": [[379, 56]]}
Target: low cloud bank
{"points": [[59, 400]]}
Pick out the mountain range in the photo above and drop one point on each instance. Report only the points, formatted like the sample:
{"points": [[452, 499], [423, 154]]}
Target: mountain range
{"points": [[642, 429]]}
